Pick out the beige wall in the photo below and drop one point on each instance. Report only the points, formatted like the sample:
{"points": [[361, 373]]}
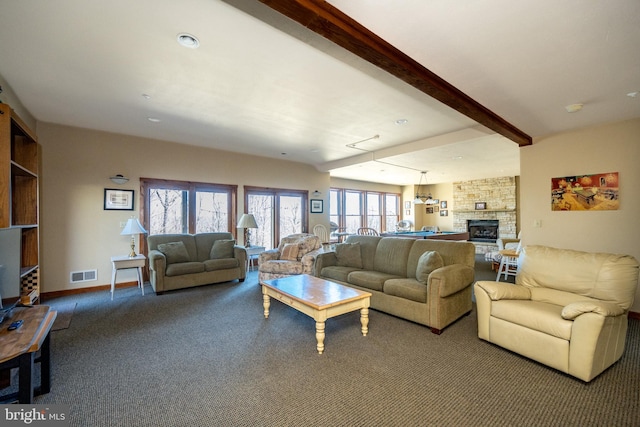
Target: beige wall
{"points": [[77, 234], [609, 148]]}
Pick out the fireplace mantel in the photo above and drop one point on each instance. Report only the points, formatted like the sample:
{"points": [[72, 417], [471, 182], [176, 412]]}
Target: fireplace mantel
{"points": [[482, 210]]}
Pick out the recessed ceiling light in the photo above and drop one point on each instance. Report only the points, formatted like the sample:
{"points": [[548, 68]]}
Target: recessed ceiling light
{"points": [[632, 94], [573, 108], [402, 121], [457, 158], [188, 40], [153, 119], [145, 96]]}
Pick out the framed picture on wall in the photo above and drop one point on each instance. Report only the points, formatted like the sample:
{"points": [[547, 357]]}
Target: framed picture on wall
{"points": [[444, 212], [317, 205], [118, 200], [429, 210], [481, 206], [443, 204], [407, 205]]}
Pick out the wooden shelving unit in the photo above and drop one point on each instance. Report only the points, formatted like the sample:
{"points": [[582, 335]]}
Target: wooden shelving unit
{"points": [[19, 198]]}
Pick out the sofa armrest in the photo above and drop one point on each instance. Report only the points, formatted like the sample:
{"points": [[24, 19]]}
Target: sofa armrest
{"points": [[157, 261], [324, 259], [607, 309], [270, 255], [309, 260], [240, 253], [451, 279], [501, 290]]}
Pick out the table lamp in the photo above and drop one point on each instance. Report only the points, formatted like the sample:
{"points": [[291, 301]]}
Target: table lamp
{"points": [[133, 228], [247, 221]]}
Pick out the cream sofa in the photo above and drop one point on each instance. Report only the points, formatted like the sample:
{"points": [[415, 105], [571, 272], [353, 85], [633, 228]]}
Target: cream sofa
{"points": [[567, 309], [425, 281], [294, 255], [179, 261]]}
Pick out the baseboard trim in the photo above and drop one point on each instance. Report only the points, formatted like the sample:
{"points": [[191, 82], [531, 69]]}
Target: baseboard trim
{"points": [[100, 288]]}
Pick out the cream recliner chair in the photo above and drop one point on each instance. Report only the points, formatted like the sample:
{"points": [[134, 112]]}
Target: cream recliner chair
{"points": [[567, 309]]}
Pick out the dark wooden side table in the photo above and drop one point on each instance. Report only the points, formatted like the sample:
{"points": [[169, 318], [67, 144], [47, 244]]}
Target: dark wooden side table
{"points": [[19, 348]]}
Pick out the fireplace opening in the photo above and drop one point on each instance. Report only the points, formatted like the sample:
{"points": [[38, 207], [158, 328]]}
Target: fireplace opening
{"points": [[483, 230]]}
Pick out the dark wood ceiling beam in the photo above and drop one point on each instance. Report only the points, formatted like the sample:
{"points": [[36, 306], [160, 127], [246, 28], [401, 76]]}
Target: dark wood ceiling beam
{"points": [[332, 24]]}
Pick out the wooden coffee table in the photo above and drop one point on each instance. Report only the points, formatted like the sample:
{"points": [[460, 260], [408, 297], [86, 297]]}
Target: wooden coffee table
{"points": [[317, 298]]}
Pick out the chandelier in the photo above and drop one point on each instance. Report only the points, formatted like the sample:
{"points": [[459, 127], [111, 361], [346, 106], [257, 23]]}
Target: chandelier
{"points": [[422, 199]]}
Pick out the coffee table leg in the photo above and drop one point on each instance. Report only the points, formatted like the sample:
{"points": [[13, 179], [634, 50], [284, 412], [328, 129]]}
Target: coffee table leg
{"points": [[266, 303], [320, 336], [364, 319]]}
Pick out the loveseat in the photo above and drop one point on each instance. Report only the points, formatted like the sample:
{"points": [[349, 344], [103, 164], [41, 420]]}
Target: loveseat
{"points": [[567, 310], [179, 261], [425, 281], [294, 255]]}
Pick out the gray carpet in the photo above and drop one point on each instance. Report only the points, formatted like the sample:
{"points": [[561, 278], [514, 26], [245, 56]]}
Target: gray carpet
{"points": [[207, 357]]}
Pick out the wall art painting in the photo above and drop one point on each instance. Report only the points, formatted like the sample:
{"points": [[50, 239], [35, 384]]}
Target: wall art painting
{"points": [[595, 192]]}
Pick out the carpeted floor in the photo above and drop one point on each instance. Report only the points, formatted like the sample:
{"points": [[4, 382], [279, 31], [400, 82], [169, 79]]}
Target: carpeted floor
{"points": [[207, 357]]}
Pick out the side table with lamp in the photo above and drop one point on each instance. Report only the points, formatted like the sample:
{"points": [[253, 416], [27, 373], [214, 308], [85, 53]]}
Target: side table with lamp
{"points": [[133, 260], [248, 221]]}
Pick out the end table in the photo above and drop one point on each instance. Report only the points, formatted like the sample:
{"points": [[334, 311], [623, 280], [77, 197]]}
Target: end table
{"points": [[122, 262]]}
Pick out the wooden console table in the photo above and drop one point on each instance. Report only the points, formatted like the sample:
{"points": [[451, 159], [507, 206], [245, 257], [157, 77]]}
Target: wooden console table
{"points": [[18, 349]]}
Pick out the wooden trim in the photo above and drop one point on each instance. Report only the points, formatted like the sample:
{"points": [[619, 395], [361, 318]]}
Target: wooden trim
{"points": [[332, 24], [77, 291]]}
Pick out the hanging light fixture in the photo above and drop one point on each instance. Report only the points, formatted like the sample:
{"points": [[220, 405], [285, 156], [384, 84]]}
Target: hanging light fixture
{"points": [[422, 199]]}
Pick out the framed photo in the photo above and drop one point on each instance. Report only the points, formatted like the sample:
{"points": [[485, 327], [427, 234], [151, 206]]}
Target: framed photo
{"points": [[407, 212], [430, 210], [317, 205], [118, 200], [480, 206], [443, 204], [407, 205], [444, 212]]}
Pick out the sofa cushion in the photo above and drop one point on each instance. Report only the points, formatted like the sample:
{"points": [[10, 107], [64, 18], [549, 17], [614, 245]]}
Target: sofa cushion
{"points": [[222, 249], [184, 268], [290, 252], [428, 261], [392, 255], [336, 272], [280, 266], [409, 289], [176, 252], [220, 264], [349, 255], [534, 315], [370, 279]]}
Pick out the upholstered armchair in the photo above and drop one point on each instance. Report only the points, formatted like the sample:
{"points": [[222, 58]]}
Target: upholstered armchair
{"points": [[568, 309], [294, 255]]}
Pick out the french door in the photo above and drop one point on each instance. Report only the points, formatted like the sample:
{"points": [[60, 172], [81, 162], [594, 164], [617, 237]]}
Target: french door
{"points": [[278, 213]]}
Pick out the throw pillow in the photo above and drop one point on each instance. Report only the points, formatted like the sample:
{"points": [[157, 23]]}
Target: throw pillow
{"points": [[428, 262], [174, 251], [222, 249], [289, 252], [349, 255]]}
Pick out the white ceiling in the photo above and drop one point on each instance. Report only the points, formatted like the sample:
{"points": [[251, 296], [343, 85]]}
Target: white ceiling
{"points": [[285, 92]]}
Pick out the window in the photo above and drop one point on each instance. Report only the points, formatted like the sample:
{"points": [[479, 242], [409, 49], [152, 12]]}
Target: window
{"points": [[278, 212], [352, 209], [187, 207]]}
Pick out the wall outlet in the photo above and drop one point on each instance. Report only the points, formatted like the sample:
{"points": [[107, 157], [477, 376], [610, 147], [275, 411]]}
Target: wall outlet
{"points": [[537, 223], [122, 224]]}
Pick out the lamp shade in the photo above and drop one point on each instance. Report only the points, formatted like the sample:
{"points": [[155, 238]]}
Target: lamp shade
{"points": [[247, 221], [132, 227]]}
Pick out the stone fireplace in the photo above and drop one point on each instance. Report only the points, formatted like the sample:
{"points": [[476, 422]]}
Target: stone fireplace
{"points": [[483, 230], [499, 196]]}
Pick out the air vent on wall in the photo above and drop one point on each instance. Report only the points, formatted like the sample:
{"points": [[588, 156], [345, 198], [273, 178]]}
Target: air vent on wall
{"points": [[83, 276]]}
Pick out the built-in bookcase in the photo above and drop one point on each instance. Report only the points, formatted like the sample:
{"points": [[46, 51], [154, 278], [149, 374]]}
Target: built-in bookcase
{"points": [[19, 199]]}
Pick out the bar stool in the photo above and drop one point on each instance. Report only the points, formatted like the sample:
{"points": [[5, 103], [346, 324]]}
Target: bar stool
{"points": [[508, 263]]}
